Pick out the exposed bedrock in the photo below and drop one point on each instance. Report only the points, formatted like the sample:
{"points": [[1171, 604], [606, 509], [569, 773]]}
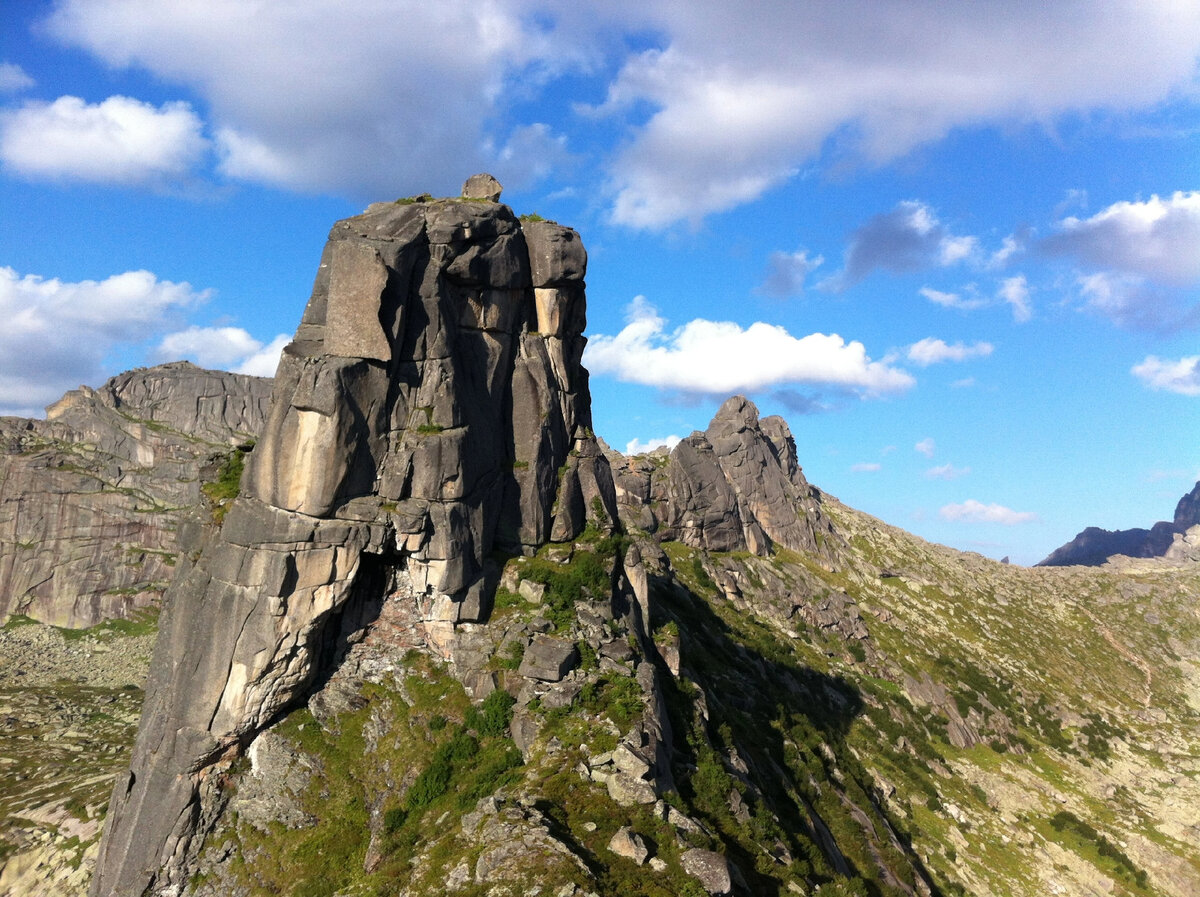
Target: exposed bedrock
{"points": [[91, 497], [431, 409], [735, 487]]}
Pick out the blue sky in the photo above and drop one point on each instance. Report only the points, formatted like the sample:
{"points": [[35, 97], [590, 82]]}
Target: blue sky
{"points": [[957, 246]]}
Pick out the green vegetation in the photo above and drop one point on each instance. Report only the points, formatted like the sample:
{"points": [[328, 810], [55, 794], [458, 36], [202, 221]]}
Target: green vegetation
{"points": [[1082, 838], [449, 766], [224, 489], [586, 575], [141, 622]]}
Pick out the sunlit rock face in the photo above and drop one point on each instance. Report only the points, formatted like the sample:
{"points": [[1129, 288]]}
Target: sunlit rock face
{"points": [[92, 496], [431, 409]]}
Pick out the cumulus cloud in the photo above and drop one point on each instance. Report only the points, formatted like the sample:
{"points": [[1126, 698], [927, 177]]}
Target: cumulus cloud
{"points": [[388, 101], [13, 78], [866, 467], [226, 348], [786, 272], [56, 334], [740, 103], [1131, 301], [972, 511], [720, 107], [1182, 376], [264, 362], [118, 141], [926, 447], [722, 357], [933, 351], [637, 447], [947, 472], [1157, 239], [908, 238]]}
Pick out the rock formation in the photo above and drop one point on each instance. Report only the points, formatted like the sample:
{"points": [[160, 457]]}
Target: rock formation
{"points": [[1093, 546], [431, 409], [91, 497], [735, 487]]}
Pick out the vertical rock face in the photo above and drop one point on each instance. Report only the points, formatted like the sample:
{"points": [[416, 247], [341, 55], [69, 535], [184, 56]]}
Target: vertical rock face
{"points": [[431, 408], [91, 497], [735, 487]]}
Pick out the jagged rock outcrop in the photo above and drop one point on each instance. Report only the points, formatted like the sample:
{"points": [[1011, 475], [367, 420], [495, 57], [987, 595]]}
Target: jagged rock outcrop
{"points": [[431, 409], [1093, 546], [91, 497], [735, 487]]}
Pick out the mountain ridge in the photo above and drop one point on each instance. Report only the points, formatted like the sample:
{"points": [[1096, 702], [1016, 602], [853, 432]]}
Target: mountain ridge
{"points": [[445, 641]]}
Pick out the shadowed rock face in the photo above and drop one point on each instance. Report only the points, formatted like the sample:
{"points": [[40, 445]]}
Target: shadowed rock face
{"points": [[735, 487], [1093, 546], [91, 497], [431, 408]]}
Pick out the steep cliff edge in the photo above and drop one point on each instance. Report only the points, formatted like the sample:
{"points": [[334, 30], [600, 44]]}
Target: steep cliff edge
{"points": [[90, 498], [431, 409]]}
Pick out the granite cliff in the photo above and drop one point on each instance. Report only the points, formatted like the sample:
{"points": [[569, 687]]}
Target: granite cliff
{"points": [[446, 642], [91, 497], [431, 410]]}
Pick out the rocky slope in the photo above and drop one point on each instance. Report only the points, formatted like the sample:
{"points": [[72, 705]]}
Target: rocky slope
{"points": [[91, 497], [1094, 546], [446, 643]]}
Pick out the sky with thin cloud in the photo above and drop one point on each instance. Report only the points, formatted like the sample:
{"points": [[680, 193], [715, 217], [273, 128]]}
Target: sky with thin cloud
{"points": [[970, 229]]}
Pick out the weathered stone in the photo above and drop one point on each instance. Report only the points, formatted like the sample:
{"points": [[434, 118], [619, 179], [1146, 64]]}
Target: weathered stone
{"points": [[556, 253], [93, 497], [735, 487], [709, 868], [549, 658], [357, 280], [629, 844], [482, 186]]}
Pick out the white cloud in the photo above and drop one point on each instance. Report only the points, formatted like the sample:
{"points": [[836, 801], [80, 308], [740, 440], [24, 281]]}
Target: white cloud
{"points": [[972, 511], [866, 467], [226, 348], [1182, 376], [264, 362], [1009, 247], [947, 472], [210, 347], [786, 272], [926, 447], [119, 141], [637, 447], [13, 78], [1158, 239], [952, 300], [964, 383], [1132, 301], [721, 357], [56, 335], [1015, 291], [389, 99], [722, 107], [908, 238], [741, 102], [933, 351]]}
